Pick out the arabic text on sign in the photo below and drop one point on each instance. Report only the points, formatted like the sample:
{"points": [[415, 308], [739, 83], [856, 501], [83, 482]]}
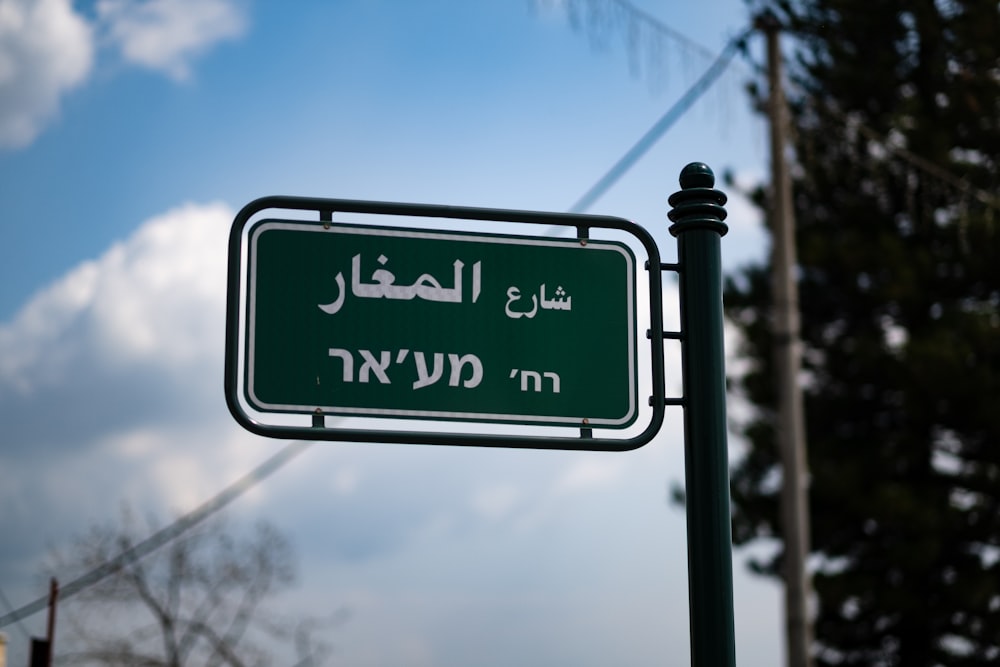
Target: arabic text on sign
{"points": [[559, 302], [382, 285]]}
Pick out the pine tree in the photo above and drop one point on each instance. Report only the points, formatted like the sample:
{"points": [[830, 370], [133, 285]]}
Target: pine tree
{"points": [[896, 118]]}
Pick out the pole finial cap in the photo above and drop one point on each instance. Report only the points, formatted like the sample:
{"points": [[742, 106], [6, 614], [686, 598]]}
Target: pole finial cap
{"points": [[697, 175], [698, 205]]}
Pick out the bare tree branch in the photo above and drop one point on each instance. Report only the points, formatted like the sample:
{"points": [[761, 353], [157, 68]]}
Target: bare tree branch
{"points": [[198, 603]]}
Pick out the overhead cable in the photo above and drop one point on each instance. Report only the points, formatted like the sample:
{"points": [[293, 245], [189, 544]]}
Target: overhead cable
{"points": [[627, 161], [10, 608], [166, 534]]}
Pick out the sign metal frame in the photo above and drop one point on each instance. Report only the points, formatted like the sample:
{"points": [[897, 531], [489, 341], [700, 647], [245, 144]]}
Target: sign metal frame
{"points": [[237, 323]]}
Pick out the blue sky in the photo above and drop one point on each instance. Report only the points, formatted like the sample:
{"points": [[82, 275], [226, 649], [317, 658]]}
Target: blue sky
{"points": [[130, 134]]}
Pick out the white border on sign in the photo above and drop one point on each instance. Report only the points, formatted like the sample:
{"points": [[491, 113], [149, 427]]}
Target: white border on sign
{"points": [[259, 229]]}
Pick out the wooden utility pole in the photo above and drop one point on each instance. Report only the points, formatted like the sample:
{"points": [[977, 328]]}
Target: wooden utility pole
{"points": [[42, 649], [51, 634], [788, 355]]}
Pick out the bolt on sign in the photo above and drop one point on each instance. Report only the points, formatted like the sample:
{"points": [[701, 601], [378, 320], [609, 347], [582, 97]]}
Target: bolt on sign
{"points": [[388, 322]]}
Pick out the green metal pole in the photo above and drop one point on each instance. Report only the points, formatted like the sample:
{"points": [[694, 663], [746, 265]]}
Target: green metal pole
{"points": [[698, 216]]}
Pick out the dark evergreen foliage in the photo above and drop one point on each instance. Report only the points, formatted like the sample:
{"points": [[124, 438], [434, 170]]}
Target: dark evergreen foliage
{"points": [[896, 124]]}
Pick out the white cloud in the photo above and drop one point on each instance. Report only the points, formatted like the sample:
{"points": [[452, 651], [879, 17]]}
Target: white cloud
{"points": [[176, 467], [29, 351], [590, 472], [120, 361], [159, 289], [165, 35], [346, 479], [46, 49], [154, 299], [495, 501]]}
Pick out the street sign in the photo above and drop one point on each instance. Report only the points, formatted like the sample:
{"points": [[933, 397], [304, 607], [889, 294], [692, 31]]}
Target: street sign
{"points": [[404, 323], [333, 318]]}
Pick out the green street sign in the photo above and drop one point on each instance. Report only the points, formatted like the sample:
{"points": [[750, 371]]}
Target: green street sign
{"points": [[388, 322]]}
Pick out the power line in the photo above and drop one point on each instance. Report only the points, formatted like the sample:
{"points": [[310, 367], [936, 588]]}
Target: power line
{"points": [[10, 608], [165, 535], [653, 135]]}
